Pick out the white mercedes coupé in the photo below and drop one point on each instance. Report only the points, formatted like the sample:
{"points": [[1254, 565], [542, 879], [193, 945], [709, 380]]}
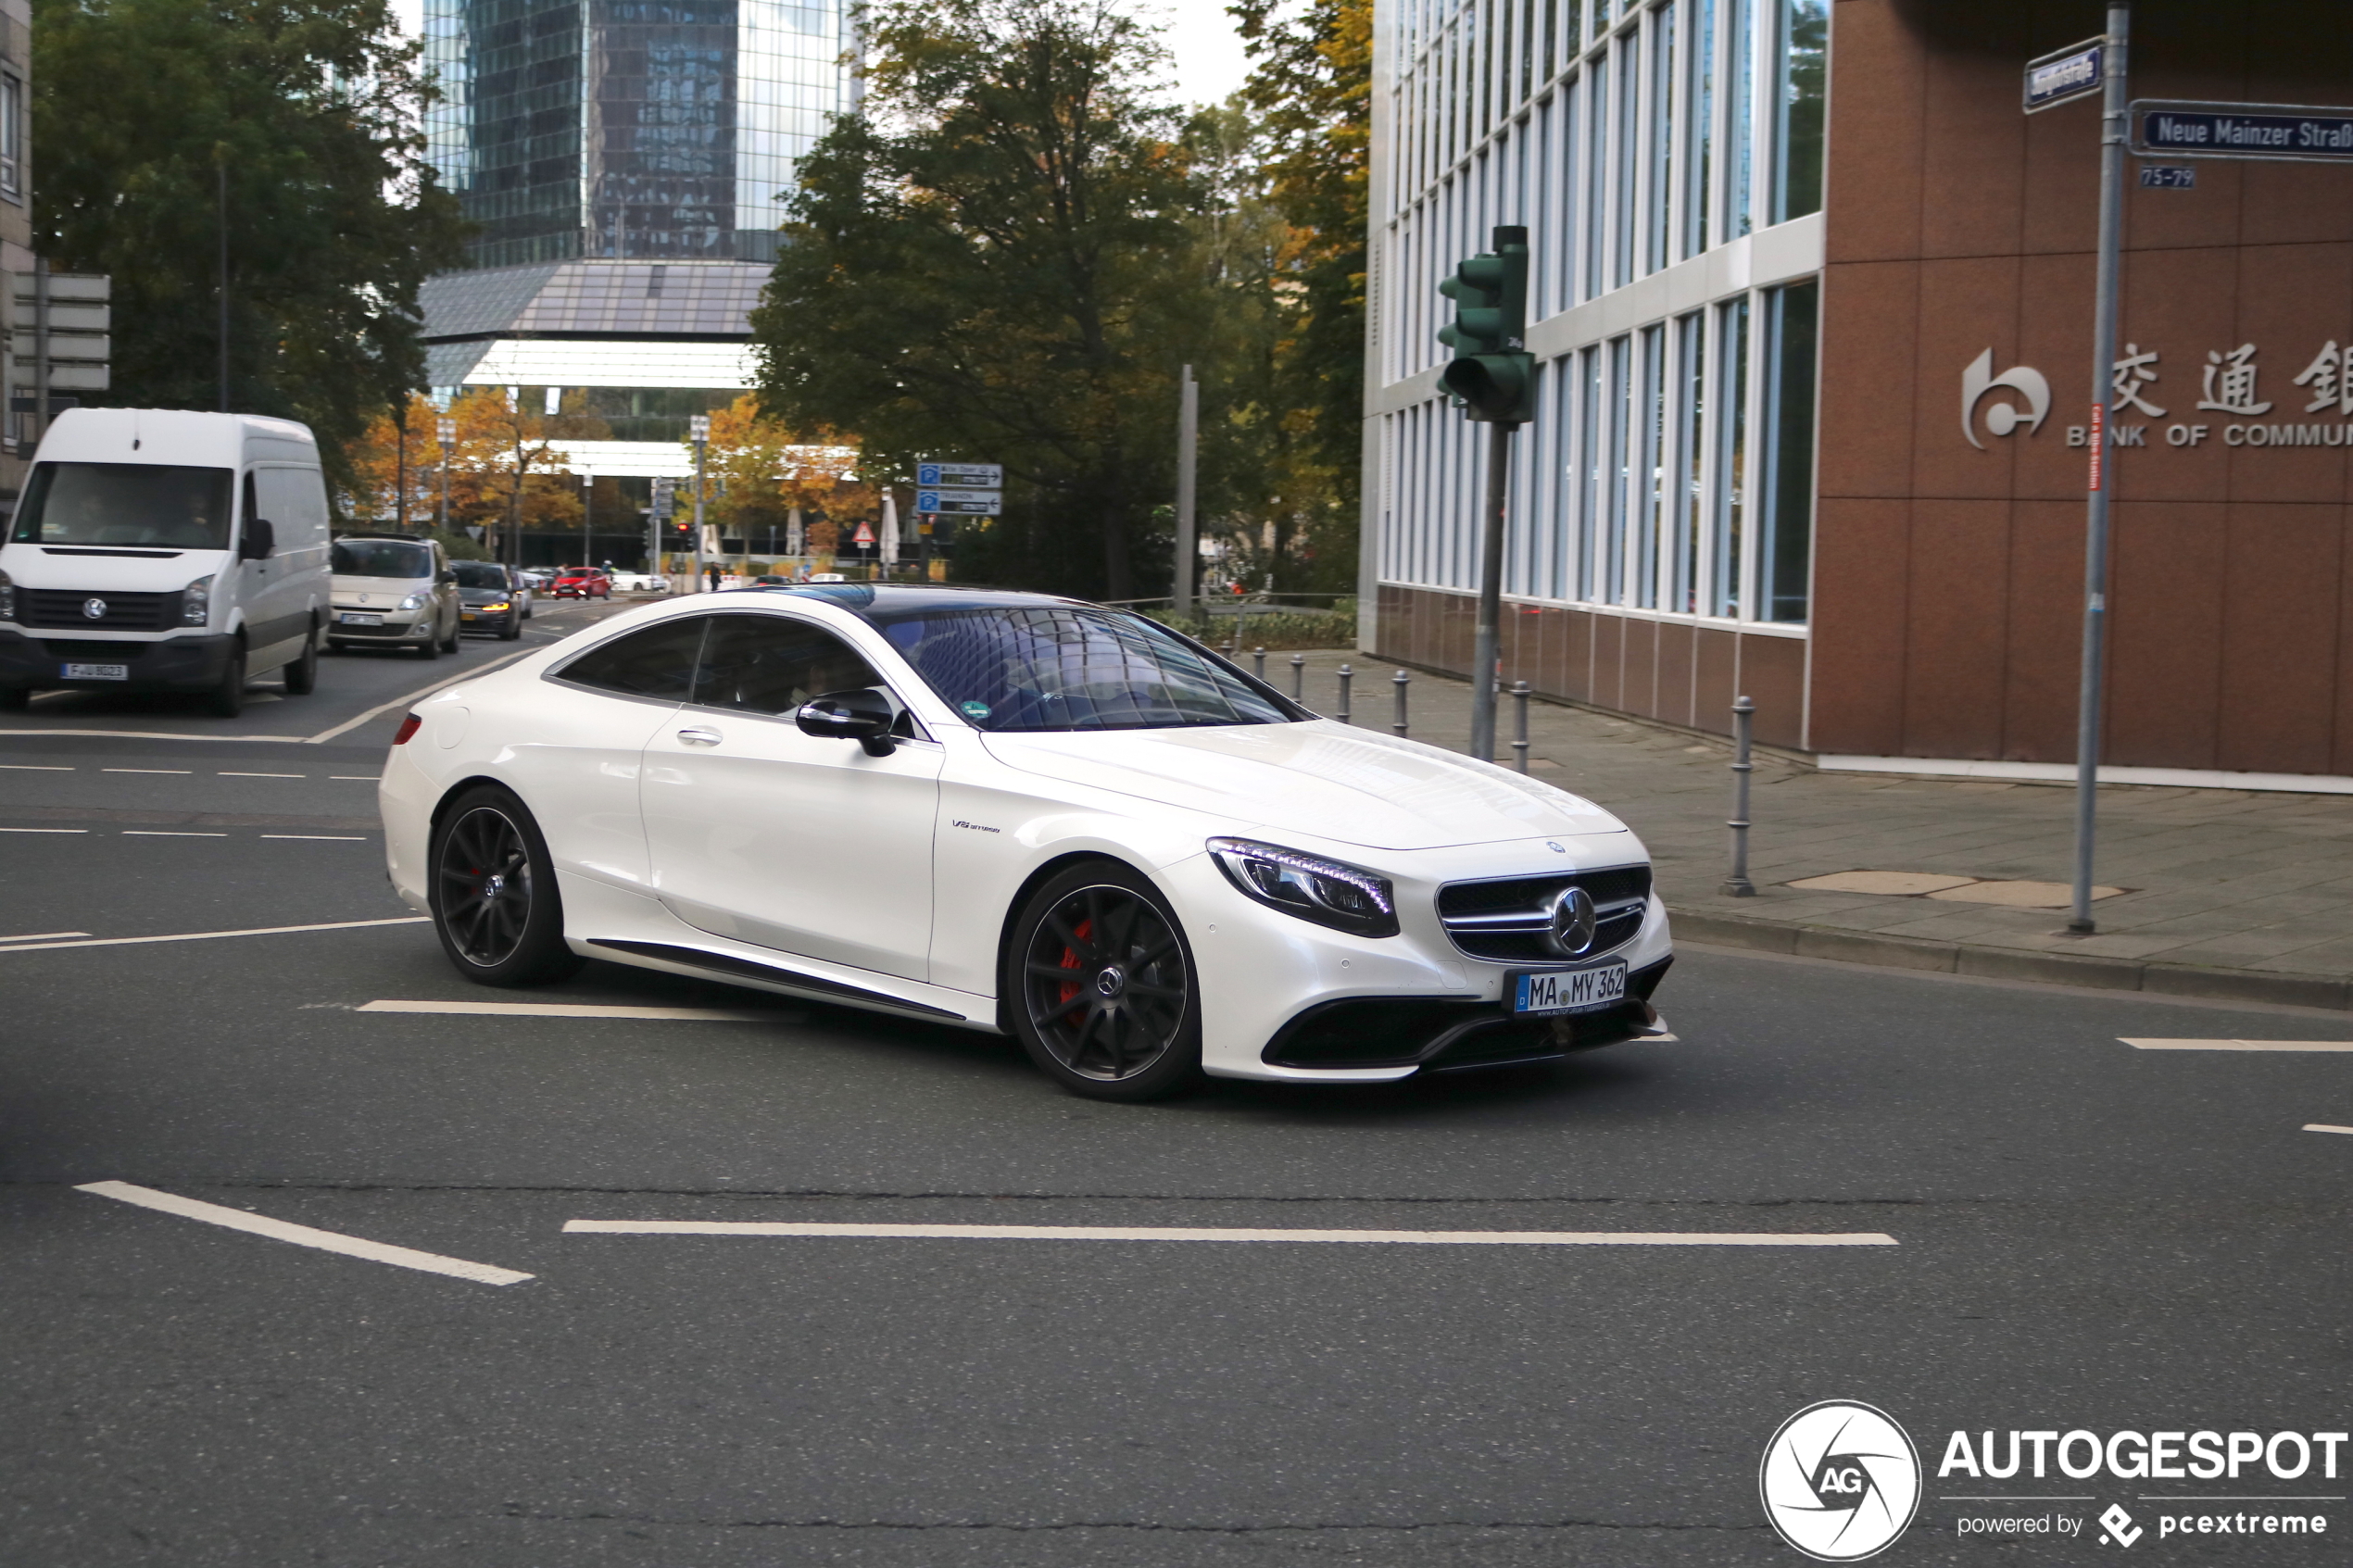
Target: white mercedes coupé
{"points": [[1021, 814]]}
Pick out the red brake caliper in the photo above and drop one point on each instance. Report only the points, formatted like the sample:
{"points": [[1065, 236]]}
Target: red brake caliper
{"points": [[1070, 961]]}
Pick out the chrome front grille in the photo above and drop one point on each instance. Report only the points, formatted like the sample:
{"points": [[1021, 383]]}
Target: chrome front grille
{"points": [[1509, 920]]}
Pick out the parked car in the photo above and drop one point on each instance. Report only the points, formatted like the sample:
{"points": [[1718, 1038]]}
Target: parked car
{"points": [[640, 583], [162, 550], [491, 597], [392, 591], [827, 577], [771, 581], [1072, 824], [583, 583], [536, 578]]}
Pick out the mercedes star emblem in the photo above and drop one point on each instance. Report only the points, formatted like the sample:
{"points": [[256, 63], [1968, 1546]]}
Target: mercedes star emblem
{"points": [[1572, 922]]}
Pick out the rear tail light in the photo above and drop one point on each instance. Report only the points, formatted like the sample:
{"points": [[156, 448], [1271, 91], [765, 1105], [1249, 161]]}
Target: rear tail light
{"points": [[409, 726]]}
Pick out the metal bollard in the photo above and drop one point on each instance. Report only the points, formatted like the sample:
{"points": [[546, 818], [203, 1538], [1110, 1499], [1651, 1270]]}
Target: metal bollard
{"points": [[1520, 733], [1737, 885], [1400, 681], [1258, 666], [1298, 677], [1346, 675]]}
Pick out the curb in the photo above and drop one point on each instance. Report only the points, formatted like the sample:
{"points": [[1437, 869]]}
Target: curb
{"points": [[2006, 963]]}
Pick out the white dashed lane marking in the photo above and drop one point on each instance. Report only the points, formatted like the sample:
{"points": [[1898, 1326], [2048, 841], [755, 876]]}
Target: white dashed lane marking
{"points": [[320, 837], [146, 770], [229, 775], [44, 830], [2237, 1044], [1184, 1233], [302, 1235], [588, 1009], [165, 833], [2324, 1128], [32, 767], [41, 935], [209, 935]]}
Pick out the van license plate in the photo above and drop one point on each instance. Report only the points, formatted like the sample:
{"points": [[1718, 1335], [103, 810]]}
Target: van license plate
{"points": [[350, 617], [97, 673], [1570, 990]]}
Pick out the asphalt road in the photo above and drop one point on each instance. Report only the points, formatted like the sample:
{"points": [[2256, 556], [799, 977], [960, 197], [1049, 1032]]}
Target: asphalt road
{"points": [[2087, 1236]]}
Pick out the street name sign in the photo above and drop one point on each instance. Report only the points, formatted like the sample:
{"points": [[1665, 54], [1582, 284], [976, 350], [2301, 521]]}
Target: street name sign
{"points": [[972, 476], [2171, 129], [2065, 75], [961, 502]]}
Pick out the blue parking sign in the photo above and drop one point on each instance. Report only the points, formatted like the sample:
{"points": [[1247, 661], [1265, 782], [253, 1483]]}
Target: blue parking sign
{"points": [[927, 474], [928, 500]]}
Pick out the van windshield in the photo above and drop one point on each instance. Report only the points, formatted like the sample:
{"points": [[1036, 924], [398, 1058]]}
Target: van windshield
{"points": [[382, 557], [155, 505]]}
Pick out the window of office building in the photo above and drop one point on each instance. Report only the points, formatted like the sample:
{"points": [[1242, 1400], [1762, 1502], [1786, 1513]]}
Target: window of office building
{"points": [[1802, 40], [1786, 539]]}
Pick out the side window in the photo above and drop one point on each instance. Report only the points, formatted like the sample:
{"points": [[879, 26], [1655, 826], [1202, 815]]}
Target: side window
{"points": [[656, 662], [771, 664], [253, 501]]}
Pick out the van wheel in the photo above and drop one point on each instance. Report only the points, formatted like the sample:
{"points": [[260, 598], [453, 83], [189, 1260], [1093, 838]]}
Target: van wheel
{"points": [[302, 675], [15, 699], [228, 699]]}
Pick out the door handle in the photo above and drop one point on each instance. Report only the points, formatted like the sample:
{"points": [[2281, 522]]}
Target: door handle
{"points": [[699, 734]]}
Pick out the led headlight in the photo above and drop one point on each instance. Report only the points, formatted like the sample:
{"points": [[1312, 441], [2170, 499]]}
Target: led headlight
{"points": [[500, 606], [1342, 897], [414, 601], [195, 602], [7, 598]]}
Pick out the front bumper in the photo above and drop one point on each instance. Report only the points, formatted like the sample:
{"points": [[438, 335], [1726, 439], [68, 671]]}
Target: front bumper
{"points": [[1265, 976], [399, 626], [180, 664]]}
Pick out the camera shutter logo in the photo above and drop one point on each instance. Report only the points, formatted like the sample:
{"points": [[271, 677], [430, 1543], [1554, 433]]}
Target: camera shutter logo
{"points": [[1841, 1481]]}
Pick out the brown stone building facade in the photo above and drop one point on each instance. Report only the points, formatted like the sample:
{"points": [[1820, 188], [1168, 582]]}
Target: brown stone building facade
{"points": [[1814, 348]]}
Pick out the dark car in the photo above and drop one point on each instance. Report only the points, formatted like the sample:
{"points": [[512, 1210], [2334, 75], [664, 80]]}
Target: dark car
{"points": [[490, 598]]}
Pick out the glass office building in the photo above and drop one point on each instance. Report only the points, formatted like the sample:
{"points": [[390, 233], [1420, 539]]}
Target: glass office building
{"points": [[626, 163], [629, 128]]}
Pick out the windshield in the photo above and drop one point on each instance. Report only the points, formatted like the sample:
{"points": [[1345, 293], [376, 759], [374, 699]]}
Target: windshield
{"points": [[125, 504], [1056, 667], [382, 557], [480, 574]]}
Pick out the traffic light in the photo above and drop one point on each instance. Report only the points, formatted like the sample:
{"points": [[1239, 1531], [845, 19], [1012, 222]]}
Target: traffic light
{"points": [[1492, 375]]}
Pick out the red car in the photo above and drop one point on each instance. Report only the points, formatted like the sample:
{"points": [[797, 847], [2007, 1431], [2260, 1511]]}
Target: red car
{"points": [[585, 584]]}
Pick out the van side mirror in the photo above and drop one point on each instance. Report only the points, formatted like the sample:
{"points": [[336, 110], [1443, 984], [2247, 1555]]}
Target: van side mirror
{"points": [[864, 715], [260, 541]]}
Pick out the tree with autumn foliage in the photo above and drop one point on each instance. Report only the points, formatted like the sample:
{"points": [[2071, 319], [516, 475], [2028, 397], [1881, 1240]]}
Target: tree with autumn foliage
{"points": [[760, 471], [505, 473]]}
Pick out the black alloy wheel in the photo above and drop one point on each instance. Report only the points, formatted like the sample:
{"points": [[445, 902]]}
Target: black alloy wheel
{"points": [[495, 905], [1104, 996]]}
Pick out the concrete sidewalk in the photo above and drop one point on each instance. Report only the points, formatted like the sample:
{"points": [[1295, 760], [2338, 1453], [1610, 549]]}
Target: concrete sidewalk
{"points": [[2240, 895]]}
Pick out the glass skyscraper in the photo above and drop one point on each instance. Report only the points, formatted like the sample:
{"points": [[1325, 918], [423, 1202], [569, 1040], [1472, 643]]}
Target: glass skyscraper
{"points": [[629, 130], [626, 164]]}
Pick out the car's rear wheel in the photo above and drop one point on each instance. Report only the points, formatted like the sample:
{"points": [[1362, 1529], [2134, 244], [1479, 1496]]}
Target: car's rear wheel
{"points": [[492, 897], [1100, 984]]}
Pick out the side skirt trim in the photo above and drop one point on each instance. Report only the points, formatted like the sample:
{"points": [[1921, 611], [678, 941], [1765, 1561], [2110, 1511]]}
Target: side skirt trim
{"points": [[727, 963]]}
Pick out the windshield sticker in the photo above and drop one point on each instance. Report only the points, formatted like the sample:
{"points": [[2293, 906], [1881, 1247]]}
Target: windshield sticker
{"points": [[974, 709]]}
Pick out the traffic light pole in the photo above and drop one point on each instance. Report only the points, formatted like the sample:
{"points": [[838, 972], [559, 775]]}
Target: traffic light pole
{"points": [[1487, 643]]}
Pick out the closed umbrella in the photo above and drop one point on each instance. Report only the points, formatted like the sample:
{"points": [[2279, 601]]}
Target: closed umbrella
{"points": [[891, 529]]}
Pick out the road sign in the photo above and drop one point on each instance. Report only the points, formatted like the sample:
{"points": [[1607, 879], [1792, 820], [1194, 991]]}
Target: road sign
{"points": [[2065, 75], [864, 536], [2288, 132], [977, 476], [961, 503]]}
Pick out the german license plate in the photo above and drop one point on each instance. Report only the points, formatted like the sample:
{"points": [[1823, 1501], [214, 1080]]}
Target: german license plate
{"points": [[352, 618], [97, 673], [1570, 990]]}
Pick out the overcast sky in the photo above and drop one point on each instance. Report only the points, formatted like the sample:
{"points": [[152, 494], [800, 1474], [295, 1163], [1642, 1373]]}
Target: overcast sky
{"points": [[1210, 63]]}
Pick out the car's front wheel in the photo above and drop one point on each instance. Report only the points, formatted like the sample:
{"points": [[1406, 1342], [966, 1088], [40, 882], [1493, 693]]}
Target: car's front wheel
{"points": [[1101, 989], [494, 899]]}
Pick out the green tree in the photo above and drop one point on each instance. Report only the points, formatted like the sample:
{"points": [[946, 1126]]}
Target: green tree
{"points": [[309, 109], [993, 262], [1311, 91]]}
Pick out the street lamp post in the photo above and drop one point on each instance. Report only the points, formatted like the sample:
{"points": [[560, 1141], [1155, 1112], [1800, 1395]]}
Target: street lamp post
{"points": [[700, 429], [588, 520], [447, 431]]}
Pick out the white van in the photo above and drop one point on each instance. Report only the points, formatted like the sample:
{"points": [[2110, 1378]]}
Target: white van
{"points": [[165, 551]]}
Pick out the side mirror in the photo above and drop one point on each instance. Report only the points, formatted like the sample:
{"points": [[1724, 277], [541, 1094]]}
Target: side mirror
{"points": [[260, 541], [449, 577], [864, 715]]}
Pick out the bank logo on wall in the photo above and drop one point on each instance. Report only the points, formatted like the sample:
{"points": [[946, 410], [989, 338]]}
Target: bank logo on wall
{"points": [[1841, 1481], [1979, 381]]}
